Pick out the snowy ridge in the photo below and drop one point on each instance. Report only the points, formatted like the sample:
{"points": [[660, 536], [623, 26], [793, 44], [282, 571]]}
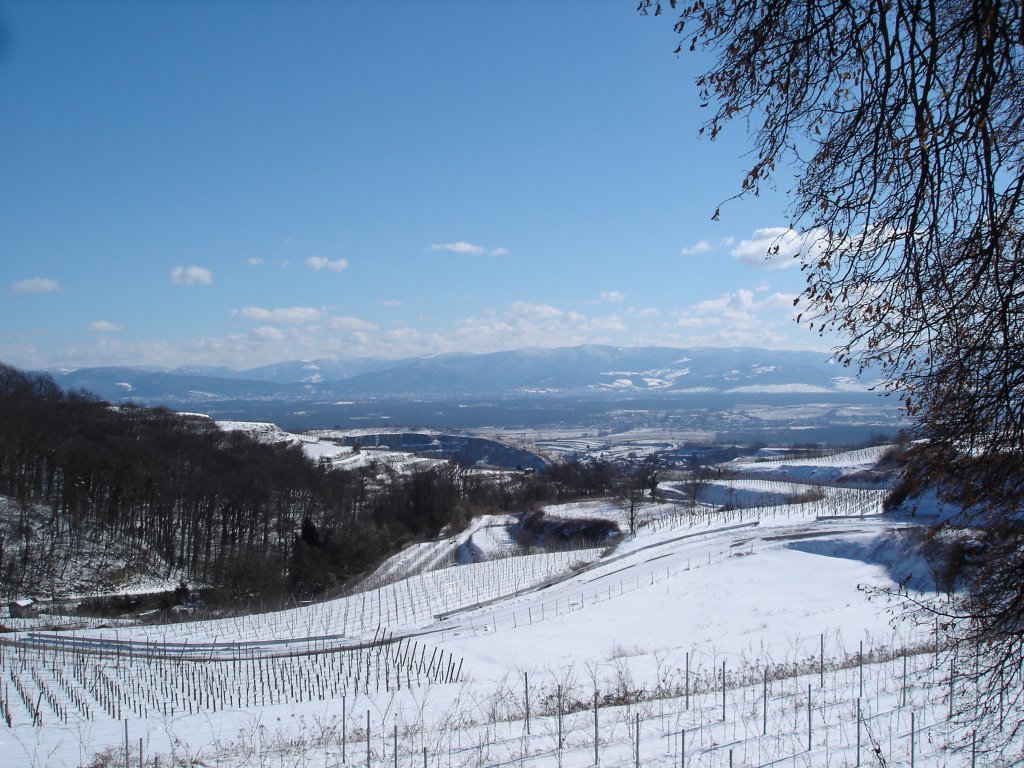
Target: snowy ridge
{"points": [[318, 446], [567, 370]]}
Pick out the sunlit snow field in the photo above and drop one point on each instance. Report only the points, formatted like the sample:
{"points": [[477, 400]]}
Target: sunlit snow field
{"points": [[471, 664]]}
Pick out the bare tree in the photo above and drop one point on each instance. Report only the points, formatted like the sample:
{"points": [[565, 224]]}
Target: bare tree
{"points": [[903, 121], [632, 492], [695, 482]]}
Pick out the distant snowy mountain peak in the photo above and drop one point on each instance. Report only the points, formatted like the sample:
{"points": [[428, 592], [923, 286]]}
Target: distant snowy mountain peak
{"points": [[652, 379], [536, 371]]}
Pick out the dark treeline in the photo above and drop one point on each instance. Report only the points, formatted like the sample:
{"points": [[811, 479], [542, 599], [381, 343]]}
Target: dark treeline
{"points": [[251, 517]]}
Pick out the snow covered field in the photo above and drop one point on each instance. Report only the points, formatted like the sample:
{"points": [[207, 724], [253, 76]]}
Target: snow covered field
{"points": [[318, 446], [709, 639], [839, 468]]}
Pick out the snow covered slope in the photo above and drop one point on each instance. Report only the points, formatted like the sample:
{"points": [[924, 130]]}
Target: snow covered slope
{"points": [[710, 638]]}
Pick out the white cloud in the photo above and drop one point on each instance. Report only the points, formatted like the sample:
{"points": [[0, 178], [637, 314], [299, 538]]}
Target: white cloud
{"points": [[36, 285], [350, 324], [644, 312], [405, 337], [753, 317], [268, 333], [737, 301], [319, 262], [392, 302], [706, 246], [192, 276], [461, 246], [254, 262], [103, 326], [740, 318], [612, 297], [526, 309], [610, 324], [283, 315], [702, 246], [778, 301], [527, 324], [778, 247]]}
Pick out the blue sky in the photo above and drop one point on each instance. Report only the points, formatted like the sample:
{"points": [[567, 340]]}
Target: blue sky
{"points": [[229, 183]]}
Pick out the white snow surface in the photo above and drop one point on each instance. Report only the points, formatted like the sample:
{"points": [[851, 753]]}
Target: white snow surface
{"points": [[694, 590], [318, 446], [490, 537], [836, 468], [849, 461]]}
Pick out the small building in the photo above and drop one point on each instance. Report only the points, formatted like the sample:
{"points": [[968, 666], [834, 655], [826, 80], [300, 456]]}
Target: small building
{"points": [[23, 608]]}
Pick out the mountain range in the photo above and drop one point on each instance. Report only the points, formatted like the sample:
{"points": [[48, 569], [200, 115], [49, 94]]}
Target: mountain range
{"points": [[590, 370]]}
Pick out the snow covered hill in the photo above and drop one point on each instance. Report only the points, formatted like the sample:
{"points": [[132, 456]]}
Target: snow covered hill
{"points": [[590, 369], [711, 638]]}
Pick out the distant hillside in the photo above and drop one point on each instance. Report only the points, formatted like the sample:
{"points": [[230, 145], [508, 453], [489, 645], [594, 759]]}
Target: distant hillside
{"points": [[146, 386], [101, 498], [589, 370], [80, 480]]}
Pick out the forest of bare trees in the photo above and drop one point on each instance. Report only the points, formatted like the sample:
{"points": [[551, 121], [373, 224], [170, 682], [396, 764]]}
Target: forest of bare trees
{"points": [[250, 517]]}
